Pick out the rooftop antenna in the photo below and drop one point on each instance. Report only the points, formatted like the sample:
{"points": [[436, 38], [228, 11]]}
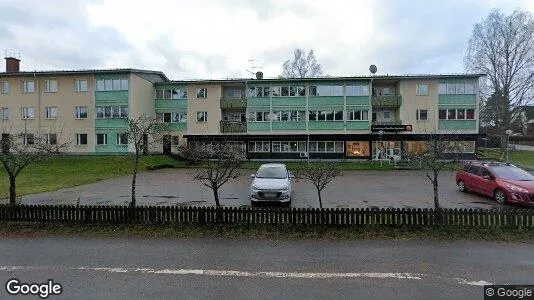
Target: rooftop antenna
{"points": [[253, 68], [12, 53]]}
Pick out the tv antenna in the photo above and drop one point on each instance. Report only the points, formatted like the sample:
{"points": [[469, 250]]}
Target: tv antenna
{"points": [[253, 67]]}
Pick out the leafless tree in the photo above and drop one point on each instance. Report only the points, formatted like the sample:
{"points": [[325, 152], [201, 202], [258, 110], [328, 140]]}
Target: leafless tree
{"points": [[503, 48], [143, 132], [319, 173], [23, 148], [219, 163], [303, 65], [441, 151]]}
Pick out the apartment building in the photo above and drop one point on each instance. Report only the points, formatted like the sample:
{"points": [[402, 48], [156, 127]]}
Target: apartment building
{"points": [[366, 117]]}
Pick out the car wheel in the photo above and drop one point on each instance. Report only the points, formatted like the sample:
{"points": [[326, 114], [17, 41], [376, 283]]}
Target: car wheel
{"points": [[461, 186], [500, 196]]}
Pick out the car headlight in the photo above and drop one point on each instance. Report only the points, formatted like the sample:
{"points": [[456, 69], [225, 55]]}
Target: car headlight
{"points": [[254, 187], [285, 188], [516, 188]]}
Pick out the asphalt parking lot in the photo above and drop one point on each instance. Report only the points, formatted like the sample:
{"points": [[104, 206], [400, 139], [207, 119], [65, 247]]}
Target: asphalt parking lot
{"points": [[409, 189]]}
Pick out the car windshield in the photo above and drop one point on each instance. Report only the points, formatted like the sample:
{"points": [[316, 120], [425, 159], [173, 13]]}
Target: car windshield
{"points": [[512, 173], [272, 172]]}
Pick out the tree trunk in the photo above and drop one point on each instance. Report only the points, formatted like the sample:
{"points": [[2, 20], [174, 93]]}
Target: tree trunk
{"points": [[320, 199], [134, 178], [216, 196], [435, 186], [504, 141], [12, 190]]}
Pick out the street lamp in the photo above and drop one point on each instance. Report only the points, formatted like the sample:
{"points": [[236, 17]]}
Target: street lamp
{"points": [[508, 133], [380, 133]]}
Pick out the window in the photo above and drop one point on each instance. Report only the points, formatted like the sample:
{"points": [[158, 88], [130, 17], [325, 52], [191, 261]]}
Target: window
{"points": [[4, 113], [469, 88], [457, 88], [116, 84], [336, 115], [422, 90], [357, 148], [51, 112], [108, 85], [443, 114], [115, 111], [27, 139], [326, 90], [175, 117], [175, 140], [451, 114], [124, 84], [50, 86], [104, 112], [159, 94], [386, 114], [100, 85], [124, 112], [101, 139], [122, 139], [51, 138], [357, 115], [329, 147], [202, 93], [422, 114], [286, 116], [5, 87], [28, 86], [357, 90], [28, 113], [457, 114], [112, 85], [289, 146], [460, 114], [81, 139], [470, 113], [275, 91], [80, 85], [80, 112], [259, 146], [260, 116], [202, 116]]}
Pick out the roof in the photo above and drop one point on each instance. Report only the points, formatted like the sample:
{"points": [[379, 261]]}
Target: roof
{"points": [[84, 71], [330, 78]]}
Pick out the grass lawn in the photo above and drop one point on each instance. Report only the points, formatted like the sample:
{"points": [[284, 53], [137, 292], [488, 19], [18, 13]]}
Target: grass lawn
{"points": [[68, 171], [521, 158]]}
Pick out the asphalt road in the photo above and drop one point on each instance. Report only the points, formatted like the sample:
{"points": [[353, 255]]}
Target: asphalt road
{"points": [[128, 268], [352, 189]]}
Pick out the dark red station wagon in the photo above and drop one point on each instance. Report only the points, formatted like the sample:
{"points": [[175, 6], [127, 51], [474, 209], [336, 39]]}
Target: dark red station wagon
{"points": [[501, 181]]}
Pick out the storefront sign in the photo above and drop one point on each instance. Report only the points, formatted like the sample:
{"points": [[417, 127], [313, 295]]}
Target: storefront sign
{"points": [[389, 128]]}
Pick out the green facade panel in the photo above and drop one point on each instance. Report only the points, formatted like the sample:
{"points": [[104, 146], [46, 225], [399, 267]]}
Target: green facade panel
{"points": [[289, 101], [356, 125], [457, 124], [289, 125], [358, 100], [313, 125], [322, 101], [457, 100], [178, 126], [112, 76], [262, 102], [258, 126], [111, 146], [111, 123], [111, 96], [171, 104]]}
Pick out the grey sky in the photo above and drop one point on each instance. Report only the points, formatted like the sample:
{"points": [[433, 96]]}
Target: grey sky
{"points": [[216, 38]]}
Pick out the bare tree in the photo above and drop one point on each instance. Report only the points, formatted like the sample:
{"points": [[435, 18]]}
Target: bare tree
{"points": [[503, 48], [320, 174], [219, 163], [303, 65], [441, 151], [21, 149], [143, 132]]}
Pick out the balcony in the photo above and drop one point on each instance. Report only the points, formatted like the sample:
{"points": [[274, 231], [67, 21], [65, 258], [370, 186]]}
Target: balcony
{"points": [[233, 103], [233, 126], [386, 123], [386, 101]]}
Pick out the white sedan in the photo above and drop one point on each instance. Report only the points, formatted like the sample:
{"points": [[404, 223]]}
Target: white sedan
{"points": [[272, 183]]}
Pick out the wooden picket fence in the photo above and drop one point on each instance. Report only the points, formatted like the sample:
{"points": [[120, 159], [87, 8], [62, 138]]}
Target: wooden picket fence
{"points": [[452, 218]]}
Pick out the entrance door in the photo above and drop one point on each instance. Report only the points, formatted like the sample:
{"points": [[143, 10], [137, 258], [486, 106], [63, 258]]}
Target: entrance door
{"points": [[167, 144]]}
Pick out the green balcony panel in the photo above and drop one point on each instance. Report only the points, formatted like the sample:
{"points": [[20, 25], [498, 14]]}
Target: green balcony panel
{"points": [[314, 125], [457, 100], [289, 101], [111, 123], [262, 102], [289, 125], [111, 96], [358, 100], [111, 146], [232, 126], [171, 104], [258, 126], [386, 101], [177, 126], [322, 101], [358, 125], [457, 124], [231, 103]]}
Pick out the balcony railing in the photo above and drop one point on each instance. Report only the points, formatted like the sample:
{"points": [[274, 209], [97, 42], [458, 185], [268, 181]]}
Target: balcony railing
{"points": [[233, 103], [386, 101], [386, 123], [233, 126]]}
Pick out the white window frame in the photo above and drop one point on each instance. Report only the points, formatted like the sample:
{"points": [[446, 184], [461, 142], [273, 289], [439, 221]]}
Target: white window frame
{"points": [[326, 113], [78, 112], [339, 147], [28, 113], [81, 86], [120, 139], [79, 139], [28, 86], [5, 87], [259, 146], [51, 86], [48, 136], [418, 114], [202, 93], [422, 89], [28, 139], [105, 135], [202, 115], [456, 113], [50, 112], [351, 114], [4, 113], [288, 143]]}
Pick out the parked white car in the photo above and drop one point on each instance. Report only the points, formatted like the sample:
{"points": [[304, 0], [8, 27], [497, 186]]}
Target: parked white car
{"points": [[272, 183]]}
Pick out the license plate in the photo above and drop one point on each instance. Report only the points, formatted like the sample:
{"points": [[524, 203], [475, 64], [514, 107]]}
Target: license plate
{"points": [[269, 195]]}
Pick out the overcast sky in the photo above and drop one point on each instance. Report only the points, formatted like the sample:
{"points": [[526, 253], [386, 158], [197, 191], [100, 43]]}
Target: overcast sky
{"points": [[216, 38]]}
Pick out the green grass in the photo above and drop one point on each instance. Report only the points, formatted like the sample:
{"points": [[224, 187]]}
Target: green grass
{"points": [[68, 171], [346, 166], [519, 157]]}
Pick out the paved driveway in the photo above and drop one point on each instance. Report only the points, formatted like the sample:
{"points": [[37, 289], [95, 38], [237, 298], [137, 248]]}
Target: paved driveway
{"points": [[352, 189]]}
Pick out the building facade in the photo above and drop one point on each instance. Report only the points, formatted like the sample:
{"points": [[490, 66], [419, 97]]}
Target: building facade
{"points": [[368, 117]]}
